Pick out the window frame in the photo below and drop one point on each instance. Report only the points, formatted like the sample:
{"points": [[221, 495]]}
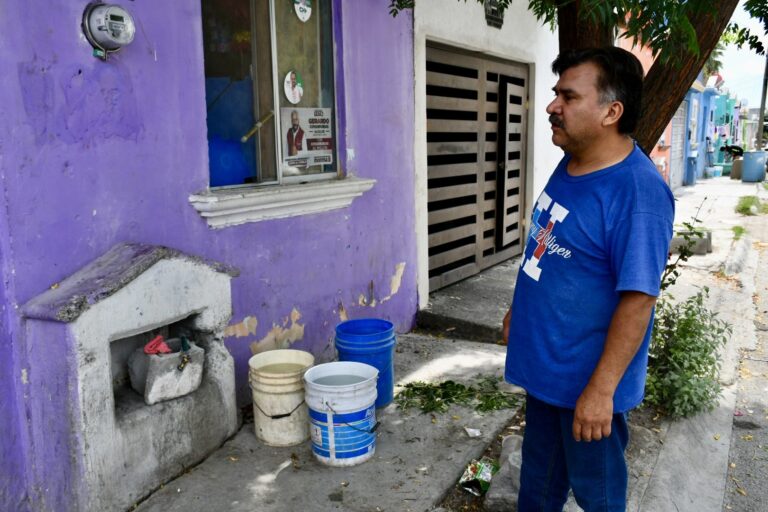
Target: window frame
{"points": [[289, 196], [277, 83]]}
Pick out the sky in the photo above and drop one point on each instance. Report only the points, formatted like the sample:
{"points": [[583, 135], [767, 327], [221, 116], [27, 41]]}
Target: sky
{"points": [[743, 69]]}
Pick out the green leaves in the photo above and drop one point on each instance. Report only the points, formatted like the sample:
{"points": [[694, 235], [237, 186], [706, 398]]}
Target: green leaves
{"points": [[395, 6], [751, 205], [740, 36], [691, 233], [662, 25], [683, 366], [485, 396]]}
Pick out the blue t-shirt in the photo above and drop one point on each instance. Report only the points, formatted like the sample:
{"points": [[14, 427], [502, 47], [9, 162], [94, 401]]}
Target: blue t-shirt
{"points": [[591, 237]]}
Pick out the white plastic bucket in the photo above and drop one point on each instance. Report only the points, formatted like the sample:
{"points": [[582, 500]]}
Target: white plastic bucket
{"points": [[279, 411], [342, 415]]}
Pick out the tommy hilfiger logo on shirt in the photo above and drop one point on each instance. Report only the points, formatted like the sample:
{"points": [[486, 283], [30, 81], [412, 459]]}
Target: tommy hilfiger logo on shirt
{"points": [[541, 238]]}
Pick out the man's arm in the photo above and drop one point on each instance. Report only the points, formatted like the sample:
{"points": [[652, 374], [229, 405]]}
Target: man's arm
{"points": [[594, 408]]}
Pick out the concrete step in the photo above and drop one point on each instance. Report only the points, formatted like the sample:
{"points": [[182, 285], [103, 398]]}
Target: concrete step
{"points": [[472, 309]]}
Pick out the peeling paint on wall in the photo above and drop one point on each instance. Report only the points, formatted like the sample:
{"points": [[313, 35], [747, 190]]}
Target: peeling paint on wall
{"points": [[281, 336], [343, 316], [362, 300], [394, 286], [396, 281], [245, 328], [24, 376]]}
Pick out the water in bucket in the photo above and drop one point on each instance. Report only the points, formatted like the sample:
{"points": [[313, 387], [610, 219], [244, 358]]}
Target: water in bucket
{"points": [[280, 368], [339, 380], [342, 415], [280, 415]]}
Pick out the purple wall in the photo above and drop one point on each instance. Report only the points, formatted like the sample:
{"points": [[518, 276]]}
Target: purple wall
{"points": [[93, 154]]}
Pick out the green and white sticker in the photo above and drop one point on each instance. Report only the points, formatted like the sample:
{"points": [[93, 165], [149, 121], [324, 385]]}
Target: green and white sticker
{"points": [[303, 9]]}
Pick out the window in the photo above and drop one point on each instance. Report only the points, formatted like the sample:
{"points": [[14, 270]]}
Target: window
{"points": [[269, 83]]}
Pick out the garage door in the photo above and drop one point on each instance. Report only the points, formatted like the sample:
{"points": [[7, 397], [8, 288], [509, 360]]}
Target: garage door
{"points": [[476, 131]]}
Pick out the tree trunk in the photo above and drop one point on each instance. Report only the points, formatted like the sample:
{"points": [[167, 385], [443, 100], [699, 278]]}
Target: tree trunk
{"points": [[574, 32], [666, 85]]}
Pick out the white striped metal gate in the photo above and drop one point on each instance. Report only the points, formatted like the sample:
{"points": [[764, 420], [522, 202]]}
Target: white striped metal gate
{"points": [[476, 131], [677, 149]]}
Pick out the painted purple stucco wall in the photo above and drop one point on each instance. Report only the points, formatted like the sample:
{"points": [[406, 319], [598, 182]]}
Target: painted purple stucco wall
{"points": [[93, 154]]}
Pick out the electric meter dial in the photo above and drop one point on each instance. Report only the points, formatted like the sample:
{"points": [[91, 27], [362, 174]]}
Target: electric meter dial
{"points": [[108, 27]]}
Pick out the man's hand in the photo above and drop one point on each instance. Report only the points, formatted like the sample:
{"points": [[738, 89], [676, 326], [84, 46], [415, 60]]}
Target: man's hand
{"points": [[594, 408], [505, 328], [593, 415]]}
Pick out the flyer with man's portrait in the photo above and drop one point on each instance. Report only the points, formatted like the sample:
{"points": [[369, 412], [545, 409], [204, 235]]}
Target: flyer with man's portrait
{"points": [[307, 136]]}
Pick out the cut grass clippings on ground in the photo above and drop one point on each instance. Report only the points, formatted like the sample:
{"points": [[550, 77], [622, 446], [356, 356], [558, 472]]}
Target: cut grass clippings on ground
{"points": [[751, 205], [738, 232], [483, 396]]}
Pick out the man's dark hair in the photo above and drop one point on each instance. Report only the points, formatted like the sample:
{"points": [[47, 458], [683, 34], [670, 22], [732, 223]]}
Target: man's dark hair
{"points": [[620, 79]]}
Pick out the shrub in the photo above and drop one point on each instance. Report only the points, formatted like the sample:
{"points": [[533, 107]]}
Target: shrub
{"points": [[683, 366]]}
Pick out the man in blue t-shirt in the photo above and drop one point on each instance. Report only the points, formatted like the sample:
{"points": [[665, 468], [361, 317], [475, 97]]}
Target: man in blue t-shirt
{"points": [[580, 323]]}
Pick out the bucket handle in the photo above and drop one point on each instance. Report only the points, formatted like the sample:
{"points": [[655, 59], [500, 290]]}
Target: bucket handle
{"points": [[277, 416], [371, 431]]}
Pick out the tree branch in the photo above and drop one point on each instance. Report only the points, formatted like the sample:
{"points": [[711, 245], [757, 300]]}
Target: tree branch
{"points": [[667, 83]]}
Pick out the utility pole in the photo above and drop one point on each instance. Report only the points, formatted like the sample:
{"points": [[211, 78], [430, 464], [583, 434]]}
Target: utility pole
{"points": [[761, 117]]}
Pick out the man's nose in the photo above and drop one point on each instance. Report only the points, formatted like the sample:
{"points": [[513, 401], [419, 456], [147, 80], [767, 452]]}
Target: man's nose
{"points": [[553, 107]]}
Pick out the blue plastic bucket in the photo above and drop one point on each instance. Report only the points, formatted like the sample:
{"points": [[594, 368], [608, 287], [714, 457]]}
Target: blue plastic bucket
{"points": [[342, 417], [753, 168], [370, 341]]}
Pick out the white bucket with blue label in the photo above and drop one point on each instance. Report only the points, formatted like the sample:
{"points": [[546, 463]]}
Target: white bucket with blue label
{"points": [[341, 397]]}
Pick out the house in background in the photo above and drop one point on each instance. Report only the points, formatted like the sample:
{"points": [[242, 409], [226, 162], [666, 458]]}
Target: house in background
{"points": [[308, 162], [699, 104]]}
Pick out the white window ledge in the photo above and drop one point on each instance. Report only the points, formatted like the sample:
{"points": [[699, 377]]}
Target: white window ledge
{"points": [[230, 207]]}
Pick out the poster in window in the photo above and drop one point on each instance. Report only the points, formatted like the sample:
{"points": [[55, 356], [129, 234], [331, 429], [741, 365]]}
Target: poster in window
{"points": [[303, 9], [293, 86], [308, 136]]}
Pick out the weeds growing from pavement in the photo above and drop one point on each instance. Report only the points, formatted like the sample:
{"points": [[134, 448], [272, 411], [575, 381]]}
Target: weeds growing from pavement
{"points": [[751, 205], [683, 365], [738, 232], [691, 233]]}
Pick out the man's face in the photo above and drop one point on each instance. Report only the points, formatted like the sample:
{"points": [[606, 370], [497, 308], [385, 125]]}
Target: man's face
{"points": [[295, 120], [577, 112], [293, 80]]}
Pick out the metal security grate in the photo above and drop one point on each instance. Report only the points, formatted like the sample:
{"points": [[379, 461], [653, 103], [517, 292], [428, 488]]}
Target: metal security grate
{"points": [[476, 129], [676, 159]]}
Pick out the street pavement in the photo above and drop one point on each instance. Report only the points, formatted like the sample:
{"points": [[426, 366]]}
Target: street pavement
{"points": [[747, 482], [680, 466]]}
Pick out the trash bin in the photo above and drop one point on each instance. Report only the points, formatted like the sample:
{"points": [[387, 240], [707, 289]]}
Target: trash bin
{"points": [[690, 172], [753, 168]]}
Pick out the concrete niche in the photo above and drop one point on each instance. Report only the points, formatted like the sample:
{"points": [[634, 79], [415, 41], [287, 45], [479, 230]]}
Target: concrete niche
{"points": [[95, 444]]}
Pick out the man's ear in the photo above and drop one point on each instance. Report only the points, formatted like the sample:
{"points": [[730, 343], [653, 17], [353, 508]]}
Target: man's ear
{"points": [[614, 113]]}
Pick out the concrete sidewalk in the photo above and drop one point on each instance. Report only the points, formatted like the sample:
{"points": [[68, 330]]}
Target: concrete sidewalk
{"points": [[418, 456], [679, 466], [691, 470], [676, 466]]}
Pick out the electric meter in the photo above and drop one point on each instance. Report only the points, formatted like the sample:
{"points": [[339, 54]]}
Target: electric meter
{"points": [[107, 27]]}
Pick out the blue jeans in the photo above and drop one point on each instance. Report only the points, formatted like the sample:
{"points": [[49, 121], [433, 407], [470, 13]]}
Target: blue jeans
{"points": [[553, 462]]}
